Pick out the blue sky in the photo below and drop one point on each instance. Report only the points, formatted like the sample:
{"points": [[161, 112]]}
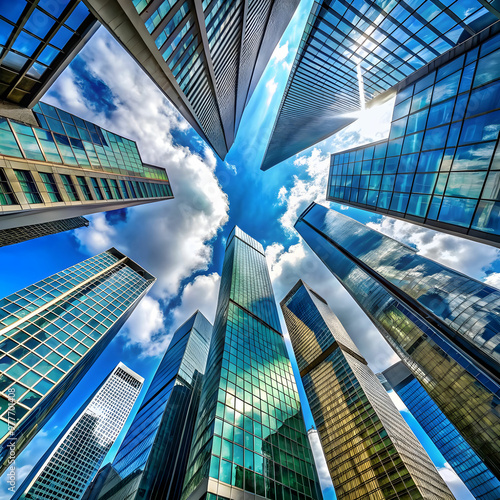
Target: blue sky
{"points": [[181, 241]]}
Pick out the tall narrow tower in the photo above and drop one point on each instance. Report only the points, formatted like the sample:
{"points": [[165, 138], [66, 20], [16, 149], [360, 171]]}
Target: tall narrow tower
{"points": [[151, 462], [52, 333], [67, 467], [444, 325], [250, 434], [358, 424]]}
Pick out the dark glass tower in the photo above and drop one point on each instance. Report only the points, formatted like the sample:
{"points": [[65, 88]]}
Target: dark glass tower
{"points": [[440, 167], [207, 56], [370, 450], [443, 324], [67, 467], [250, 436], [352, 52], [53, 331], [151, 462], [469, 467]]}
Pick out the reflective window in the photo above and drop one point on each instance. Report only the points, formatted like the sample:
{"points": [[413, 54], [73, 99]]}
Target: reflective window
{"points": [[28, 186], [51, 186]]}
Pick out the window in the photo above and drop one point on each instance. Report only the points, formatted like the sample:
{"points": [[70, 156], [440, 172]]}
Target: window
{"points": [[51, 186], [28, 186], [107, 191], [84, 187], [125, 191], [116, 191], [97, 189], [6, 194], [70, 187]]}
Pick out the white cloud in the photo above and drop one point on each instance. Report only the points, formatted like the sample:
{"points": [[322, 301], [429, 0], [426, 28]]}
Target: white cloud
{"points": [[466, 256], [171, 239], [271, 87], [455, 484], [325, 480], [201, 293], [280, 53], [493, 279]]}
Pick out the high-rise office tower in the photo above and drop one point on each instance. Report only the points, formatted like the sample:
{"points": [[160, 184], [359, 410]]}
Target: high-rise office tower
{"points": [[206, 56], [25, 233], [469, 467], [64, 167], [352, 52], [440, 166], [67, 467], [39, 38], [443, 324], [151, 462], [250, 436], [370, 450], [53, 331]]}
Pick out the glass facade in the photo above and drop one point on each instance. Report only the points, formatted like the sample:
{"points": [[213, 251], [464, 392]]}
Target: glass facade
{"points": [[73, 459], [470, 468], [250, 434], [212, 54], [440, 166], [37, 37], [381, 43], [151, 461], [25, 233], [443, 324], [52, 331], [370, 450]]}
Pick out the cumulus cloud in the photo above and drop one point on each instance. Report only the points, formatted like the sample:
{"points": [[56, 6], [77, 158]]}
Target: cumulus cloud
{"points": [[321, 466], [466, 256], [493, 279], [271, 87], [171, 239]]}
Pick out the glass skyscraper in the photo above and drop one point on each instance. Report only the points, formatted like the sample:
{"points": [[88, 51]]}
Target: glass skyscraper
{"points": [[38, 38], [25, 233], [250, 436], [352, 45], [53, 331], [440, 166], [151, 462], [206, 56], [63, 166], [67, 467], [370, 450], [443, 324], [469, 467]]}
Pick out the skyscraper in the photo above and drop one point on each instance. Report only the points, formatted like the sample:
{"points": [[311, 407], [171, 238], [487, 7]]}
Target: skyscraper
{"points": [[62, 167], [443, 324], [67, 467], [19, 234], [440, 165], [250, 434], [206, 56], [39, 38], [151, 462], [352, 52], [359, 426], [53, 331], [469, 467]]}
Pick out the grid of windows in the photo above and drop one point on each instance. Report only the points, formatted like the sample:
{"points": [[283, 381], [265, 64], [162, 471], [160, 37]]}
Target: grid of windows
{"points": [[383, 41], [28, 186], [428, 333], [36, 36], [439, 164], [370, 450], [80, 449], [51, 186], [470, 468], [25, 233], [52, 326], [250, 432]]}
